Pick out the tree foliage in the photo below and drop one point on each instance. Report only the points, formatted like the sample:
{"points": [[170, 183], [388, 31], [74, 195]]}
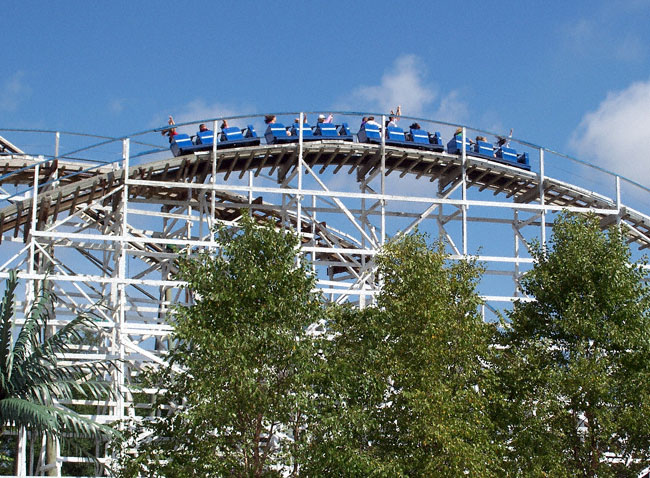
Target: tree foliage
{"points": [[575, 361], [241, 392], [413, 382], [417, 385]]}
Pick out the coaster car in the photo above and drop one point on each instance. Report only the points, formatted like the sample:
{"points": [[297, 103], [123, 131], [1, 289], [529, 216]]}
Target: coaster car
{"points": [[233, 137], [369, 133], [509, 156], [307, 133], [182, 144], [422, 139], [276, 133], [332, 131]]}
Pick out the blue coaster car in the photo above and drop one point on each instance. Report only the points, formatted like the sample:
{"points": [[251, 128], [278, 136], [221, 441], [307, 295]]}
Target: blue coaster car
{"points": [[204, 137], [232, 137], [422, 139], [331, 131], [369, 133], [326, 130], [182, 144], [395, 137], [344, 132], [509, 156], [455, 145], [276, 133], [483, 149], [307, 133]]}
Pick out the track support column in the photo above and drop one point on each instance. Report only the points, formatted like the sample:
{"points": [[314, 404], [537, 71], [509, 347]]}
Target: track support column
{"points": [[464, 190], [541, 197]]}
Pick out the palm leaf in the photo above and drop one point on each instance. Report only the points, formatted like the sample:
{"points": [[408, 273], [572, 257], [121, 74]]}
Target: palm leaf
{"points": [[72, 422], [6, 327], [36, 320], [51, 420], [41, 376], [60, 341], [32, 378], [17, 412]]}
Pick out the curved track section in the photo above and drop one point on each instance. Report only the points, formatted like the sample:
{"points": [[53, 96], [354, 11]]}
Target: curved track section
{"points": [[79, 186]]}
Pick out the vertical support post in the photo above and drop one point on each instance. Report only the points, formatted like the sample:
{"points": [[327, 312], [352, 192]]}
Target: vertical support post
{"points": [[250, 192], [313, 232], [121, 292], [213, 182], [364, 223], [57, 140], [21, 453], [30, 467], [464, 190], [53, 452], [125, 190], [32, 227], [300, 166], [188, 216], [618, 200], [383, 179], [541, 196], [516, 271]]}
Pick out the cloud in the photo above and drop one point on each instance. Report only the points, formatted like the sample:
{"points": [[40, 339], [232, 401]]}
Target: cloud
{"points": [[606, 35], [116, 105], [616, 135], [629, 48], [195, 111], [13, 92], [405, 83], [199, 109]]}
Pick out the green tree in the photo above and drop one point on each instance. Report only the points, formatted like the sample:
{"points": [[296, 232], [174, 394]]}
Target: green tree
{"points": [[32, 377], [241, 371], [351, 392], [412, 381], [575, 361]]}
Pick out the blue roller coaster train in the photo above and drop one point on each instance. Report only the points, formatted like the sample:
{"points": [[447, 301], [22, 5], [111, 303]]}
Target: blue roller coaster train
{"points": [[277, 133]]}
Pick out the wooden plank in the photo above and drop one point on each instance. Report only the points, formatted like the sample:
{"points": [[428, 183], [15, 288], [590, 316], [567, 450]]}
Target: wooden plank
{"points": [[247, 164], [262, 163]]}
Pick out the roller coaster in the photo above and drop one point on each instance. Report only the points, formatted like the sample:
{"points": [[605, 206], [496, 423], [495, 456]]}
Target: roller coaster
{"points": [[105, 220]]}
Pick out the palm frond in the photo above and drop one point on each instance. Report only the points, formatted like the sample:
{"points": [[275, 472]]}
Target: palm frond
{"points": [[29, 335], [31, 378], [71, 422], [6, 325], [51, 420], [64, 389], [60, 341], [39, 377], [17, 412]]}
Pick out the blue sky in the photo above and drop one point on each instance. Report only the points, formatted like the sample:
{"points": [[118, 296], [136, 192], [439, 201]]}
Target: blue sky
{"points": [[572, 76]]}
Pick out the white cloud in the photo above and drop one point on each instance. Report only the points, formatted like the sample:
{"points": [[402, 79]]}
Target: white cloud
{"points": [[13, 92], [617, 135], [195, 111], [581, 33], [405, 84], [198, 110], [600, 35], [629, 48], [116, 105], [452, 108]]}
